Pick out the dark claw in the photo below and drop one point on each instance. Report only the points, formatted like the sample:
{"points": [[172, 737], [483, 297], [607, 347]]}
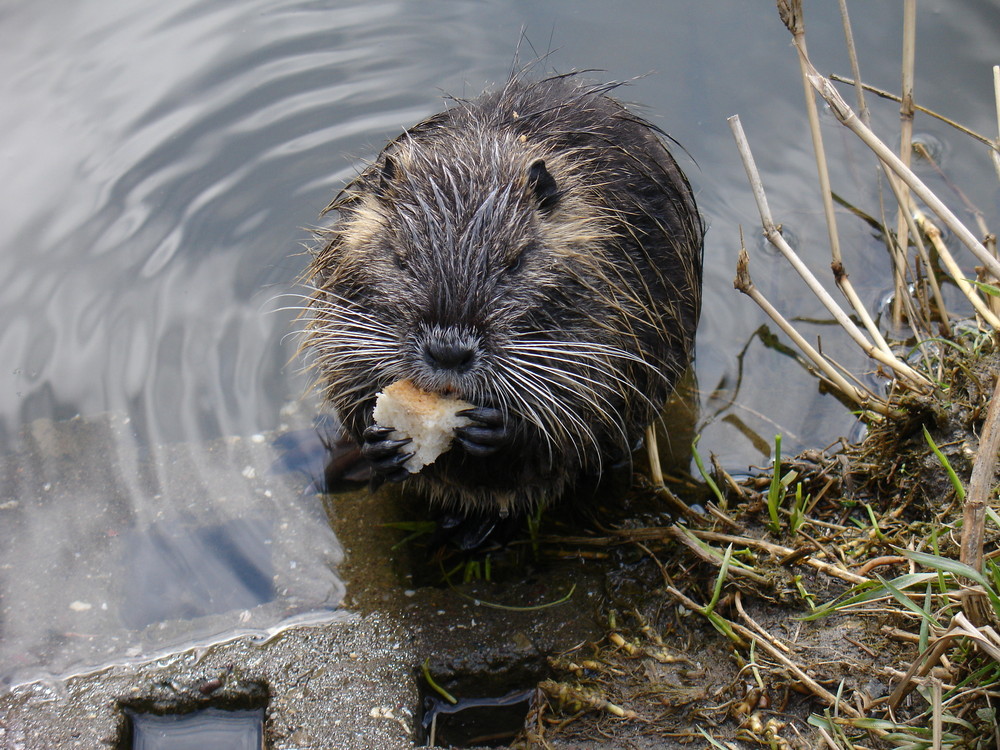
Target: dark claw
{"points": [[474, 449], [389, 463], [377, 446], [487, 433], [374, 435], [383, 449], [397, 460], [484, 415], [486, 436], [384, 455]]}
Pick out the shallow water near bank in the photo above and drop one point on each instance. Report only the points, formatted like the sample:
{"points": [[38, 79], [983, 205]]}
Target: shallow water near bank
{"points": [[163, 163]]}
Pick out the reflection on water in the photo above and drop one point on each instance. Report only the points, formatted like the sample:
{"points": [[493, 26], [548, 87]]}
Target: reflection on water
{"points": [[178, 570], [109, 555], [208, 728], [162, 162]]}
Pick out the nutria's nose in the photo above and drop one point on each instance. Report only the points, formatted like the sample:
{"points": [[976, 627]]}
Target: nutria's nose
{"points": [[449, 355]]}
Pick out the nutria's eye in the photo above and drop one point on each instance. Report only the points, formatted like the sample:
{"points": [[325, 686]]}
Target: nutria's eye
{"points": [[399, 260], [515, 262]]}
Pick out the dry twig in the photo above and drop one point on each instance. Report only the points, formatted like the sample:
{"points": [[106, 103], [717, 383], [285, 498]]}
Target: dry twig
{"points": [[865, 399], [882, 93], [771, 231], [970, 292], [905, 207], [974, 510], [779, 551], [846, 115]]}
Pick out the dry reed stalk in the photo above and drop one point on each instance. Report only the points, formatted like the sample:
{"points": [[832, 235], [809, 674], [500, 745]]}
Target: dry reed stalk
{"points": [[906, 134], [865, 399], [828, 739], [779, 551], [653, 450], [895, 186], [847, 117], [882, 93], [796, 671], [951, 266], [995, 153], [756, 626], [977, 214], [913, 378], [898, 256], [920, 316], [852, 54], [683, 536], [976, 502], [797, 27]]}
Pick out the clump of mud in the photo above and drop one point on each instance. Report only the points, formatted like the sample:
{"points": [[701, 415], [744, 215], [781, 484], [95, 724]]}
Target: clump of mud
{"points": [[894, 464]]}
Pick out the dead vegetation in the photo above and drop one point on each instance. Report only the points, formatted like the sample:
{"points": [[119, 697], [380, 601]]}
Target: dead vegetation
{"points": [[848, 597]]}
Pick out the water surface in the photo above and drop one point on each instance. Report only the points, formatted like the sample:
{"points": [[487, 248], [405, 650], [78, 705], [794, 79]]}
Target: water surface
{"points": [[164, 163]]}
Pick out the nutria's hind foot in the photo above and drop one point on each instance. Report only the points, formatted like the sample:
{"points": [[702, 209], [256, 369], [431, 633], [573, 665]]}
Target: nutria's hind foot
{"points": [[475, 533], [486, 435], [385, 456]]}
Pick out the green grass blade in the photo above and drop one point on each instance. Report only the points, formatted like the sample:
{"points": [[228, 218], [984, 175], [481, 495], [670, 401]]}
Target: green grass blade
{"points": [[956, 568], [866, 592], [775, 493], [705, 475], [985, 288], [720, 579], [923, 637], [906, 601], [955, 481]]}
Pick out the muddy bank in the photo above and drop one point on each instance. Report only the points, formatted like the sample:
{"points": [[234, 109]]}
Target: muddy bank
{"points": [[633, 624], [326, 676]]}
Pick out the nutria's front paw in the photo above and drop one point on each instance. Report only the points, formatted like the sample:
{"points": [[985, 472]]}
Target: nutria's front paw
{"points": [[487, 433], [385, 455]]}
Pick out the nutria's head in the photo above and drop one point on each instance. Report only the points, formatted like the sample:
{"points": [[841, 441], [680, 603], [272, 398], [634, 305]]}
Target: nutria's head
{"points": [[535, 251], [486, 270]]}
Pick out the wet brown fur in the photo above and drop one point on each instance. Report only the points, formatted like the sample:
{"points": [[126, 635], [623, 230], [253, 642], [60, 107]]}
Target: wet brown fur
{"points": [[581, 306]]}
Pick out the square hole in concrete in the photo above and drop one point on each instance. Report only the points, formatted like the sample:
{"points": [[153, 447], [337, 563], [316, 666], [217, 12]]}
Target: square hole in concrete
{"points": [[476, 722], [213, 728]]}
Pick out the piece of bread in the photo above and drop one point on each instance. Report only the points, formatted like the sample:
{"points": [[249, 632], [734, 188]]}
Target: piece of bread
{"points": [[428, 419]]}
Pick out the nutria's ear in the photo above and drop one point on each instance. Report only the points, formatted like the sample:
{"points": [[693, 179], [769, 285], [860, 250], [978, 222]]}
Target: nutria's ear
{"points": [[543, 185], [387, 177]]}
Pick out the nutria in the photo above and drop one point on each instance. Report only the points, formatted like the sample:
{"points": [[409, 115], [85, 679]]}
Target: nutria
{"points": [[535, 252]]}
